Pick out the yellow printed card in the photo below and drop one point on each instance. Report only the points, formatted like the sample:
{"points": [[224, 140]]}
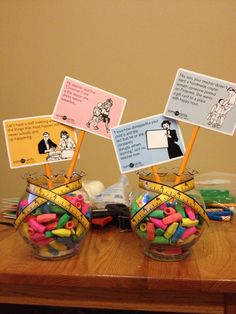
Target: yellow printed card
{"points": [[38, 140]]}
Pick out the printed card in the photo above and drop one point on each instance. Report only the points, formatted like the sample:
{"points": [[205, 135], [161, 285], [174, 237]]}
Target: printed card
{"points": [[38, 140], [204, 101], [147, 142], [88, 108]]}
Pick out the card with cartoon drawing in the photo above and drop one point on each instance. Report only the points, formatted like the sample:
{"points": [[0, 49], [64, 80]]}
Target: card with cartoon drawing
{"points": [[38, 140], [88, 108], [147, 142], [203, 101]]}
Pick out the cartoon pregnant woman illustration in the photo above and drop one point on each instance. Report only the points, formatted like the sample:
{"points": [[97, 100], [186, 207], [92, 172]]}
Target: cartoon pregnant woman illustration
{"points": [[54, 152], [173, 148], [66, 141]]}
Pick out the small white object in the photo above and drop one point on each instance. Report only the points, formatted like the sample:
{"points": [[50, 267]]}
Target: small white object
{"points": [[93, 188], [156, 139]]}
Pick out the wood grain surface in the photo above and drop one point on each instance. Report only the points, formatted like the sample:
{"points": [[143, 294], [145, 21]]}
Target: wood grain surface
{"points": [[111, 271]]}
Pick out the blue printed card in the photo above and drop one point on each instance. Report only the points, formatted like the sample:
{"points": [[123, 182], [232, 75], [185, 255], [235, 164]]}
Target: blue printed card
{"points": [[147, 142]]}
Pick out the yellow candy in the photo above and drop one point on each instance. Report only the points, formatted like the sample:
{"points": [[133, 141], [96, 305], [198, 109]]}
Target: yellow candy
{"points": [[189, 239], [143, 227], [62, 232], [25, 229], [79, 230], [43, 251], [171, 230], [75, 221], [58, 246], [186, 222]]}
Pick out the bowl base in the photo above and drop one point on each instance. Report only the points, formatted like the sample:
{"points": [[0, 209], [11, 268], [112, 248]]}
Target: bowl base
{"points": [[45, 255], [170, 254]]}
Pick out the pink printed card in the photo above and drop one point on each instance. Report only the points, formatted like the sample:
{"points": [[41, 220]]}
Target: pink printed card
{"points": [[88, 108]]}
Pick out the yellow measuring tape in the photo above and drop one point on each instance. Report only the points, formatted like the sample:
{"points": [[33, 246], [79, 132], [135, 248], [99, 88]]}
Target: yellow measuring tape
{"points": [[55, 196], [165, 194]]}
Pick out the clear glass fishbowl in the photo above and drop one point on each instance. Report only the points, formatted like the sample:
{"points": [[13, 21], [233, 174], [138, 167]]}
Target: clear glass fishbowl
{"points": [[168, 215], [54, 216]]}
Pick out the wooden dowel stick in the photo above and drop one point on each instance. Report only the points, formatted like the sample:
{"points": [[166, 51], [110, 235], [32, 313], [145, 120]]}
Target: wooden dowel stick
{"points": [[187, 153], [76, 153]]}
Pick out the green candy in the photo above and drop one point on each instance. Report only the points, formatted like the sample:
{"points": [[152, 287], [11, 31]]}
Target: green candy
{"points": [[160, 240], [157, 214], [63, 220], [180, 209], [159, 231], [57, 209]]}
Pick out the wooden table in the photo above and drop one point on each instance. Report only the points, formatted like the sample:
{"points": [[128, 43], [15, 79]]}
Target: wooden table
{"points": [[111, 271]]}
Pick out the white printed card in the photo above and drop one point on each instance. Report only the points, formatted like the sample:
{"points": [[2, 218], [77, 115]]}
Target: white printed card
{"points": [[204, 101]]}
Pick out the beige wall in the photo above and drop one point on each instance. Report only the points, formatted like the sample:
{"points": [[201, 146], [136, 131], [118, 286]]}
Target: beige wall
{"points": [[129, 47]]}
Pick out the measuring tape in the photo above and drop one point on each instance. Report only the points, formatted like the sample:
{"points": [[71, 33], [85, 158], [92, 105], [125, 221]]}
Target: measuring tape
{"points": [[165, 194], [54, 196]]}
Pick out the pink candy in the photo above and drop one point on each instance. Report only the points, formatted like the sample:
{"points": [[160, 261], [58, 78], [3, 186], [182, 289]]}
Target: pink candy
{"points": [[188, 232], [190, 212], [85, 208], [36, 226], [158, 223], [172, 218], [169, 211], [46, 217]]}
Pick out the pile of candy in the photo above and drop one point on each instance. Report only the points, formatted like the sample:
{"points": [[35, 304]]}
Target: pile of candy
{"points": [[171, 228], [51, 230], [220, 204]]}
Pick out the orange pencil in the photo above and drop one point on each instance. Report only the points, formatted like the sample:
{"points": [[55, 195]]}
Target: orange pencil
{"points": [[187, 154], [75, 155], [155, 174], [48, 174]]}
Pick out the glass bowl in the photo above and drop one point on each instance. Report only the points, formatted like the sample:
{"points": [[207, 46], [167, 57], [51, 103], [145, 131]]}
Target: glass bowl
{"points": [[168, 216], [54, 216]]}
